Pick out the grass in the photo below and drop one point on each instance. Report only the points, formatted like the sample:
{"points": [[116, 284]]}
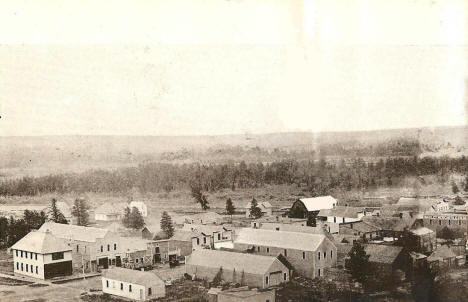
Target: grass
{"points": [[13, 282]]}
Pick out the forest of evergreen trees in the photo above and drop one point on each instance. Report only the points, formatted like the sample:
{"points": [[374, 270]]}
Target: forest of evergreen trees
{"points": [[315, 176]]}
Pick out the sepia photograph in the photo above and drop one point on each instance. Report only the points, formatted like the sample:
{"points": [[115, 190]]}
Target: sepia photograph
{"points": [[234, 150]]}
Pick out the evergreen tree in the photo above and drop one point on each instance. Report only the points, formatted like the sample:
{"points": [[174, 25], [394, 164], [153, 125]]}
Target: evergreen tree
{"points": [[358, 264], [4, 228], [218, 278], [136, 219], [166, 224], [80, 211], [458, 201], [34, 219], [465, 188], [242, 279], [255, 211], [126, 218], [199, 197], [230, 209], [234, 276], [55, 214], [455, 189]]}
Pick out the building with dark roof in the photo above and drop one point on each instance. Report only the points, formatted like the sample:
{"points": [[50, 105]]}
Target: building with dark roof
{"points": [[249, 269], [387, 258], [132, 284], [42, 255]]}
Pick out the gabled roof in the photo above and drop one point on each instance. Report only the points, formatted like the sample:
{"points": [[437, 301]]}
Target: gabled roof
{"points": [[382, 253], [341, 211], [74, 232], [422, 231], [287, 240], [442, 252], [318, 203], [111, 208], [41, 243], [132, 276], [249, 263], [181, 235]]}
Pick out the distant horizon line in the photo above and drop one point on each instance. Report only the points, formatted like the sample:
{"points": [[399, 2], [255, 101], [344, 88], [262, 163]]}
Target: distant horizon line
{"points": [[237, 134]]}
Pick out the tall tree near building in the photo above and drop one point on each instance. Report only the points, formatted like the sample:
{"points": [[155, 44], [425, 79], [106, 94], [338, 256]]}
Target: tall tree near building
{"points": [[358, 264], [136, 219], [455, 189], [166, 224], [126, 218], [55, 214], [255, 211], [199, 197], [34, 219], [80, 211], [230, 209], [242, 279], [218, 278]]}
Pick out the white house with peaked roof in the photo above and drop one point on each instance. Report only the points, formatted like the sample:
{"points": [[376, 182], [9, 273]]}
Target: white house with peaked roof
{"points": [[252, 270], [110, 211], [264, 206], [41, 255], [141, 206], [91, 247], [309, 254], [132, 284]]}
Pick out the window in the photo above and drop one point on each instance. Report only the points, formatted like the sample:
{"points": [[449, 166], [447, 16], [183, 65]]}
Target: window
{"points": [[108, 247], [17, 265], [149, 291], [35, 255], [102, 249], [277, 229], [27, 266], [450, 222], [141, 260], [198, 241], [258, 248], [115, 246], [318, 256], [37, 269], [268, 249], [219, 236], [303, 255], [459, 222], [121, 286], [343, 219], [21, 266], [107, 283], [324, 255], [285, 276], [331, 254], [57, 256], [334, 219], [31, 255], [16, 253], [21, 254], [136, 260], [267, 280], [430, 221], [204, 240], [440, 222], [285, 252], [130, 288], [319, 272], [77, 248]]}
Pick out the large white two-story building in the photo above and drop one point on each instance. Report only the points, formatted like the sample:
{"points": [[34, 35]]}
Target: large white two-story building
{"points": [[41, 255]]}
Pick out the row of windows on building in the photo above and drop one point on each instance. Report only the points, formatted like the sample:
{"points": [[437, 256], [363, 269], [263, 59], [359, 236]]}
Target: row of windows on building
{"points": [[24, 254], [29, 268], [129, 287], [108, 247], [304, 256], [449, 222]]}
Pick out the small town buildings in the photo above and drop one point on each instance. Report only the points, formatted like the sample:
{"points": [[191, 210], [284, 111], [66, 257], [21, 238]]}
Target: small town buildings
{"points": [[41, 255], [342, 214], [442, 257], [309, 254], [424, 240], [387, 258], [178, 246], [441, 206], [362, 229], [132, 284], [246, 269], [110, 211], [244, 294], [437, 221], [275, 220], [91, 247], [417, 205], [141, 206], [393, 227], [264, 206], [210, 236], [204, 218], [309, 207]]}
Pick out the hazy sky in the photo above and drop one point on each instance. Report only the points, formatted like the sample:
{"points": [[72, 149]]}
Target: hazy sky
{"points": [[173, 67]]}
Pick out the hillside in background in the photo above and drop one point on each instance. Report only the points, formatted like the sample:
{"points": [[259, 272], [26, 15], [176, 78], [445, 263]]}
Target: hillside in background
{"points": [[57, 154]]}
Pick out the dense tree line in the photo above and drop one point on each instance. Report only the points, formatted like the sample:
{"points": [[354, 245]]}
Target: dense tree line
{"points": [[318, 177]]}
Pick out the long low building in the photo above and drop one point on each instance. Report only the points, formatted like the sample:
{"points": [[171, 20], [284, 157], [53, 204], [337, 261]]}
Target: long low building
{"points": [[309, 254], [42, 255], [245, 269]]}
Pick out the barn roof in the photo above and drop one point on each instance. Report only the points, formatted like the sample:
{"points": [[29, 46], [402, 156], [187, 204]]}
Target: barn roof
{"points": [[132, 276], [41, 243], [249, 263], [318, 203], [382, 253], [287, 240], [74, 232]]}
